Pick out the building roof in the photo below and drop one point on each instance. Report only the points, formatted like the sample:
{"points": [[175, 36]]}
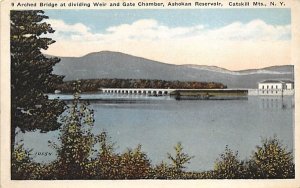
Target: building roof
{"points": [[271, 81], [277, 81], [288, 81]]}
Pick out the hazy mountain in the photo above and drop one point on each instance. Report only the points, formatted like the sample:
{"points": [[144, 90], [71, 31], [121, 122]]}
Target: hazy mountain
{"points": [[108, 64]]}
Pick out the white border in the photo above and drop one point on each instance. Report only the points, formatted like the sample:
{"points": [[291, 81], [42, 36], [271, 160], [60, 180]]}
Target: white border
{"points": [[5, 117]]}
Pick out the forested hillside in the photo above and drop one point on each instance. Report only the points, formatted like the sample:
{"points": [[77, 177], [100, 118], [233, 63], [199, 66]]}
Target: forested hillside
{"points": [[94, 84]]}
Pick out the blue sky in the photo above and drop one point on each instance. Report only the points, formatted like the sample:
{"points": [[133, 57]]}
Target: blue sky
{"points": [[99, 20], [231, 38]]}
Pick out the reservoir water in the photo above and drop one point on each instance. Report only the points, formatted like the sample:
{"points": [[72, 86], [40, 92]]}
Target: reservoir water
{"points": [[204, 127]]}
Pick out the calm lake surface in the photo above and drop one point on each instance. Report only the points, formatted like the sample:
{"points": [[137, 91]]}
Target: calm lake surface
{"points": [[204, 127]]}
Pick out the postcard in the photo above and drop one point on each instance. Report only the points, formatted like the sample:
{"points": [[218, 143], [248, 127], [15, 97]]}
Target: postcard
{"points": [[150, 93]]}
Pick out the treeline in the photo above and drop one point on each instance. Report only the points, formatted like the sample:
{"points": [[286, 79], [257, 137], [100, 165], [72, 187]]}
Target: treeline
{"points": [[94, 84], [83, 155]]}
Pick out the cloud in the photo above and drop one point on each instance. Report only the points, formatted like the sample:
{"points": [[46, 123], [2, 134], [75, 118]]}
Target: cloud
{"points": [[63, 29], [150, 29], [256, 30], [253, 41]]}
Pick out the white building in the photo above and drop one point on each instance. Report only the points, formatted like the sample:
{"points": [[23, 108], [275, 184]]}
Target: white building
{"points": [[276, 87], [289, 84]]}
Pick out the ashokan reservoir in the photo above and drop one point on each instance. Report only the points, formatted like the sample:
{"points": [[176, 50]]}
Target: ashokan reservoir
{"points": [[204, 127]]}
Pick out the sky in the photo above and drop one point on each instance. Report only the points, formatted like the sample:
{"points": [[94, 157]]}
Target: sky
{"points": [[235, 39]]}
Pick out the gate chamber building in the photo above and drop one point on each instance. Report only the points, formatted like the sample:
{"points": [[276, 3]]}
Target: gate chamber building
{"points": [[276, 87]]}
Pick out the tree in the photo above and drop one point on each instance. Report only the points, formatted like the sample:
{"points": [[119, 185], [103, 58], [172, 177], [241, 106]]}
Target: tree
{"points": [[77, 142], [31, 75], [22, 166], [228, 166], [106, 164], [180, 159], [134, 164], [272, 160]]}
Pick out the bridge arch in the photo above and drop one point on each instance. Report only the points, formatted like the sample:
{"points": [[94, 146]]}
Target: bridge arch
{"points": [[146, 91]]}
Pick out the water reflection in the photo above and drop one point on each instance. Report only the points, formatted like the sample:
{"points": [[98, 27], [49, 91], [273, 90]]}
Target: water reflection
{"points": [[268, 102]]}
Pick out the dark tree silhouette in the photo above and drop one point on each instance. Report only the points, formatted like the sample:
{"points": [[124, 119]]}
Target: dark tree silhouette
{"points": [[31, 74]]}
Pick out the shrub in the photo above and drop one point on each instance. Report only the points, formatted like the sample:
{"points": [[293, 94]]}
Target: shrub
{"points": [[228, 166], [22, 167], [77, 141], [175, 170], [134, 164], [180, 159], [106, 164], [162, 171], [271, 160]]}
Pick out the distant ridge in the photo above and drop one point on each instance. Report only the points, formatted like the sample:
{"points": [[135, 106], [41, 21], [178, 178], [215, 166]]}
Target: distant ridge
{"points": [[107, 64]]}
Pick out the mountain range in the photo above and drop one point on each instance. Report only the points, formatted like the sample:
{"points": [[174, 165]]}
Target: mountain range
{"points": [[107, 64]]}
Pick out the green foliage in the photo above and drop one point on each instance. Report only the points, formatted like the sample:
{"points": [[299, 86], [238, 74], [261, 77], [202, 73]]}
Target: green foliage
{"points": [[77, 142], [175, 170], [272, 160], [180, 159], [228, 166], [105, 165], [134, 164], [22, 167], [31, 74], [95, 84], [163, 171], [74, 159]]}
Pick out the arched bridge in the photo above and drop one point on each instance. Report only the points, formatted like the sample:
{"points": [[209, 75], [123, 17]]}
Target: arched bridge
{"points": [[189, 92], [146, 91]]}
